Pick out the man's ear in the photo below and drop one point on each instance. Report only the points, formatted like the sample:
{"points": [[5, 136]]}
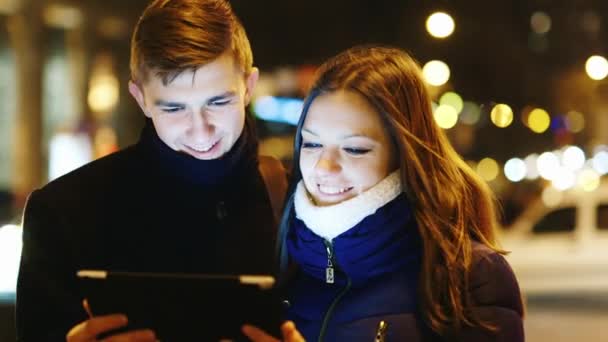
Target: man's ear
{"points": [[250, 82], [138, 95]]}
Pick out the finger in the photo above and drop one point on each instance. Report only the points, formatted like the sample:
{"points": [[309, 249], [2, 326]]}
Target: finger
{"points": [[90, 328], [290, 333], [87, 308], [145, 335], [256, 334]]}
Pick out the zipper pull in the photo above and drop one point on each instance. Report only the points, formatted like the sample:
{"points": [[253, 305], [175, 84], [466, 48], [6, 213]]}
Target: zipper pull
{"points": [[329, 271]]}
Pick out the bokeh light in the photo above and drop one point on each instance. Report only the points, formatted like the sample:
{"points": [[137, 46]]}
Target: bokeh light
{"points": [[445, 116], [515, 169], [10, 254], [588, 180], [573, 158], [531, 166], [538, 120], [501, 115], [103, 93], [440, 25], [547, 165], [488, 169], [597, 67], [470, 113], [453, 100], [563, 179], [575, 121], [436, 73], [540, 22], [600, 162]]}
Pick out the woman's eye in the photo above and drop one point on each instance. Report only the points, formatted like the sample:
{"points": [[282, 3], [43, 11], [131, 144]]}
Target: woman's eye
{"points": [[310, 145], [171, 109], [356, 151]]}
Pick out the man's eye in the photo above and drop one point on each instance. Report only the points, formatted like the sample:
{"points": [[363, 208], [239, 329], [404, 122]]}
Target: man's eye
{"points": [[171, 109], [356, 151], [221, 102], [310, 145]]}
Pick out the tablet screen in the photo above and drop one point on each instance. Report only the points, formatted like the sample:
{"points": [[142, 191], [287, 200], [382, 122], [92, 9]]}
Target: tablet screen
{"points": [[185, 307]]}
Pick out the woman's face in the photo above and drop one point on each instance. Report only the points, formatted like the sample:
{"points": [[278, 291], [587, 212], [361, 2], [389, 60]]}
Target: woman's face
{"points": [[345, 148]]}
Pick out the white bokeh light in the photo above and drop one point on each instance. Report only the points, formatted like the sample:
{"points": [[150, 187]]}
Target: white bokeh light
{"points": [[10, 255], [531, 167], [596, 67], [436, 73], [515, 169], [600, 162], [440, 25], [547, 165], [573, 158], [563, 179]]}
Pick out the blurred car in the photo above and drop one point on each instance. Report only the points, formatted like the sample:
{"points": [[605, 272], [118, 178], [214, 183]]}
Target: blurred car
{"points": [[561, 248]]}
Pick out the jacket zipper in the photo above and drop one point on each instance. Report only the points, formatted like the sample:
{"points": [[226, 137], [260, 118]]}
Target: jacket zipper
{"points": [[329, 278]]}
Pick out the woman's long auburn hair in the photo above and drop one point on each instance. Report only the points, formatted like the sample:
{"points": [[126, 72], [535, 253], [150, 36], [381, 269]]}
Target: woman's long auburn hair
{"points": [[452, 205]]}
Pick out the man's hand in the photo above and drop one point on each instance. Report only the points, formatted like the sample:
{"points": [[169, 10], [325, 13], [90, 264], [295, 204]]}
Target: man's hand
{"points": [[88, 330], [288, 329]]}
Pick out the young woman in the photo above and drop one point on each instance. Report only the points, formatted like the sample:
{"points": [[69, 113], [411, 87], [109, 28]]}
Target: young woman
{"points": [[386, 229]]}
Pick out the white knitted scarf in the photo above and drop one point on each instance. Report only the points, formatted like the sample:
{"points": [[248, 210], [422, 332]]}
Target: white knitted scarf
{"points": [[333, 220]]}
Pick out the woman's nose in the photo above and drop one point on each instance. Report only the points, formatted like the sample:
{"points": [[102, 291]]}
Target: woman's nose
{"points": [[328, 163]]}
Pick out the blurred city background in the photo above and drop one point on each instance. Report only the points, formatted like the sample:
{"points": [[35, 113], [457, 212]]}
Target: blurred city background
{"points": [[519, 86]]}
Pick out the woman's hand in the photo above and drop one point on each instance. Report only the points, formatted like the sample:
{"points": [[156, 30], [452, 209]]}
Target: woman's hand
{"points": [[288, 329]]}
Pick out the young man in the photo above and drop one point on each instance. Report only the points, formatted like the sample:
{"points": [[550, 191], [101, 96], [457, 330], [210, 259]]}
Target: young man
{"points": [[188, 197]]}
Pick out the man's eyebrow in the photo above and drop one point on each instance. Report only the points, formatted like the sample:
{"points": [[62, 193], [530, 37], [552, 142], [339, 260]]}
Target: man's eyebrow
{"points": [[224, 95], [162, 103]]}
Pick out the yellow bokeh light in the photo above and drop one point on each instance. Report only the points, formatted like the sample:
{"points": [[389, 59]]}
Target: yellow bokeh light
{"points": [[488, 169], [445, 116], [103, 94], [597, 67], [453, 100], [589, 180], [540, 22], [575, 121], [436, 73], [539, 120], [440, 25], [502, 115]]}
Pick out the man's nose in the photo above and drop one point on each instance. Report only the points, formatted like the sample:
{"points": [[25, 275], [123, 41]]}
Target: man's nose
{"points": [[200, 125]]}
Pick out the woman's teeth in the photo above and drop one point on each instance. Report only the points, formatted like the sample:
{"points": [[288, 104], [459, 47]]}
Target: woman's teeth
{"points": [[330, 190]]}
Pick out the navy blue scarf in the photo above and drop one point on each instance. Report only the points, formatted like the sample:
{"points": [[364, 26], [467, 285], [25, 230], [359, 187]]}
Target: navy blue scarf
{"points": [[382, 243], [240, 160]]}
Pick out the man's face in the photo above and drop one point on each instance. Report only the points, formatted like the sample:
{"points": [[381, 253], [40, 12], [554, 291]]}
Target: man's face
{"points": [[200, 113]]}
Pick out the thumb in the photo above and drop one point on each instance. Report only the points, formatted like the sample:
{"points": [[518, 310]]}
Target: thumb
{"points": [[256, 334]]}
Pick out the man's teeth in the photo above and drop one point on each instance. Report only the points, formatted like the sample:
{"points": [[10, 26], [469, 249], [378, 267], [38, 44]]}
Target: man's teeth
{"points": [[330, 190]]}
